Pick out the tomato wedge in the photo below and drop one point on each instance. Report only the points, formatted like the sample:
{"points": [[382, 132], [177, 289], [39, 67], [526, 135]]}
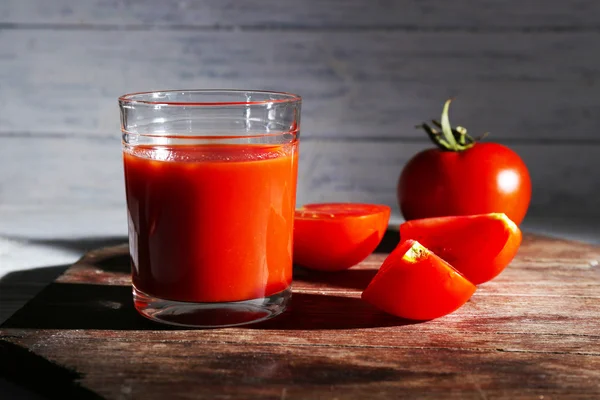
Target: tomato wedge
{"points": [[336, 236], [416, 284], [479, 246]]}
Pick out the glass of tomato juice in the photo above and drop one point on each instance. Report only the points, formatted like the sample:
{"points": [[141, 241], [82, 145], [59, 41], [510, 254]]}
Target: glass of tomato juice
{"points": [[210, 179]]}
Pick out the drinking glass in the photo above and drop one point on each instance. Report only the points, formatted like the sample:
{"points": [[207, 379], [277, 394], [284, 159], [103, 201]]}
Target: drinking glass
{"points": [[210, 179]]}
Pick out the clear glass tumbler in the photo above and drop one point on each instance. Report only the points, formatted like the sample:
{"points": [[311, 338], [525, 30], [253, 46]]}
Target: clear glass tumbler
{"points": [[210, 178]]}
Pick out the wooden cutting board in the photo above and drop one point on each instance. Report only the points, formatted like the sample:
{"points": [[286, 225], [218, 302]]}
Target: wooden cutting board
{"points": [[534, 332]]}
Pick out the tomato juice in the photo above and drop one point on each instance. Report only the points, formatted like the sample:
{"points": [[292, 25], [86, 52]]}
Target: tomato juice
{"points": [[211, 223]]}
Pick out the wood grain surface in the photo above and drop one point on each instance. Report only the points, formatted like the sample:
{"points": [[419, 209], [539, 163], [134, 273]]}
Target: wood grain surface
{"points": [[355, 84], [479, 15], [530, 333]]}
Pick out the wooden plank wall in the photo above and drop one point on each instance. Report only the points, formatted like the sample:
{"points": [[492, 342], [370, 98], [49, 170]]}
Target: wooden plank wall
{"points": [[528, 71]]}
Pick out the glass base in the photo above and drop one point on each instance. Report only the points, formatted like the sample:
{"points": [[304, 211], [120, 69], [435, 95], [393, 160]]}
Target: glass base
{"points": [[210, 315]]}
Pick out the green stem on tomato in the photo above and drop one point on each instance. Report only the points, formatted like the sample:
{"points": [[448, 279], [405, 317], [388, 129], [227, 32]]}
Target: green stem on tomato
{"points": [[434, 135], [449, 139], [446, 128]]}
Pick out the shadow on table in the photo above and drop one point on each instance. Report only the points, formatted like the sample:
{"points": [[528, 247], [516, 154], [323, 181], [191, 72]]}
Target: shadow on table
{"points": [[110, 307], [103, 307], [17, 287], [357, 279], [327, 312], [75, 305], [36, 376], [389, 242]]}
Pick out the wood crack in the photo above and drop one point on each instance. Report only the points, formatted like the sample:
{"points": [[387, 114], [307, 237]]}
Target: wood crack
{"points": [[290, 27]]}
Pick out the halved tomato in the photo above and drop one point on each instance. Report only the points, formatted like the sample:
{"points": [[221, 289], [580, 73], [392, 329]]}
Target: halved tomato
{"points": [[479, 246], [336, 236], [414, 283]]}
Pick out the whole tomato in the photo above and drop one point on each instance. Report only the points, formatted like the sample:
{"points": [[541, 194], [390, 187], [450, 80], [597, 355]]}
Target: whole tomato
{"points": [[462, 177]]}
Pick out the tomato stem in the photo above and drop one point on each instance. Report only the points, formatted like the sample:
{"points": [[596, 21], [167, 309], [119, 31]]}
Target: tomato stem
{"points": [[449, 139], [446, 128]]}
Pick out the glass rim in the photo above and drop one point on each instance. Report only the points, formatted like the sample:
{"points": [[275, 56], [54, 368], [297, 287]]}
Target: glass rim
{"points": [[141, 98]]}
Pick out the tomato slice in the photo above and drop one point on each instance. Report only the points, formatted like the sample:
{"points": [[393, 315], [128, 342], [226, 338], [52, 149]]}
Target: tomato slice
{"points": [[336, 236], [416, 284], [479, 246]]}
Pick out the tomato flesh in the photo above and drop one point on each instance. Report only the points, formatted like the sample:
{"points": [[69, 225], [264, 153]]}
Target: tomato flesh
{"points": [[479, 246], [337, 236], [416, 284]]}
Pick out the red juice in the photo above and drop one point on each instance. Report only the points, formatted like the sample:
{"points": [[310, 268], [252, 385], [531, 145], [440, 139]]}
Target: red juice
{"points": [[211, 223]]}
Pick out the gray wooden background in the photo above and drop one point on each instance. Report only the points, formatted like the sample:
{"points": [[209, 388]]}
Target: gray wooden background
{"points": [[527, 70]]}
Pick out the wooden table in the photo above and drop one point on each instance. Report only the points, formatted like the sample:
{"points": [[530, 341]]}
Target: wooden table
{"points": [[534, 332]]}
